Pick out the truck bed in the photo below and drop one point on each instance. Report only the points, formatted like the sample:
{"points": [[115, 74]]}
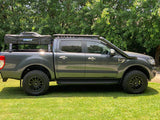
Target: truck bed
{"points": [[17, 62]]}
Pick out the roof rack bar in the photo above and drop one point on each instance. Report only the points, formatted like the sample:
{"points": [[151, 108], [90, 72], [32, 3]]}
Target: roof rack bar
{"points": [[74, 35], [10, 47]]}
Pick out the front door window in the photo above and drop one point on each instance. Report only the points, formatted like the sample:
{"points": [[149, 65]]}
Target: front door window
{"points": [[98, 48]]}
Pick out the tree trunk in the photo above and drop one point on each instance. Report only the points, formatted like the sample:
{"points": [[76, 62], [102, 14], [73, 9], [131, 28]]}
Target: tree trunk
{"points": [[157, 55]]}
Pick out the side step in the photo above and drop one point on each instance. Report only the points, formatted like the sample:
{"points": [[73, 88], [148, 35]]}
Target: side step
{"points": [[87, 82]]}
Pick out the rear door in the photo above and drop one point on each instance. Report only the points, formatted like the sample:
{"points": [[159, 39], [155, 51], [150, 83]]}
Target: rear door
{"points": [[69, 59]]}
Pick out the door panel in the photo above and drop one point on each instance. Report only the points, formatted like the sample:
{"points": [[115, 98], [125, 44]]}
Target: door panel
{"points": [[103, 66], [70, 61], [70, 65], [99, 64]]}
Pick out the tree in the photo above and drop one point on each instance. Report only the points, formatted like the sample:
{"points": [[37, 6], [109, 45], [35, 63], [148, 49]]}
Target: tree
{"points": [[131, 24]]}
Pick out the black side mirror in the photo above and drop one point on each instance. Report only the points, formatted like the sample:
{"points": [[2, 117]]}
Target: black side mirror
{"points": [[112, 52]]}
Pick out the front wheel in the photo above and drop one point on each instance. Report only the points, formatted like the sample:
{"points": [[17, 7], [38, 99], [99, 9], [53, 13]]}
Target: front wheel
{"points": [[35, 82], [135, 82]]}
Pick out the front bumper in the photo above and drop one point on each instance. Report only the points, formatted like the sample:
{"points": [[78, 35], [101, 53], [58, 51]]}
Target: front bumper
{"points": [[153, 73]]}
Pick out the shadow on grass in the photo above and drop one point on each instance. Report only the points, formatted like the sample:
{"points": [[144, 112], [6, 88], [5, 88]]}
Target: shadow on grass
{"points": [[114, 91]]}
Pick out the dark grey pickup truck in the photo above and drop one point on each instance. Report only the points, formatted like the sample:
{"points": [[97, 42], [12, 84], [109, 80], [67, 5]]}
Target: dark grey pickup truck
{"points": [[73, 59]]}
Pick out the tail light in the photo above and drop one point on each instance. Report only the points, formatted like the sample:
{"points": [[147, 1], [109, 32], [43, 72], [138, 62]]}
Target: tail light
{"points": [[2, 62]]}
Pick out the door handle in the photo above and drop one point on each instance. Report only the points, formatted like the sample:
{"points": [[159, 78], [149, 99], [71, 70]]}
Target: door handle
{"points": [[63, 57], [91, 58]]}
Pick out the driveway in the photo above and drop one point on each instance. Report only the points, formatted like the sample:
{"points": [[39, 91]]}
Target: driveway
{"points": [[157, 78]]}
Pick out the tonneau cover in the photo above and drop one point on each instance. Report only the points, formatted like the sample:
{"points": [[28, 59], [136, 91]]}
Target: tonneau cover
{"points": [[27, 38]]}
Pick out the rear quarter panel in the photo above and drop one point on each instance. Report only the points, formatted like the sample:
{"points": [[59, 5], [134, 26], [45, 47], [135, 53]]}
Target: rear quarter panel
{"points": [[17, 62]]}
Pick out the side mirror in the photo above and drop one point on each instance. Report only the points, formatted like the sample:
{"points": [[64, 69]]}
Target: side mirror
{"points": [[112, 52]]}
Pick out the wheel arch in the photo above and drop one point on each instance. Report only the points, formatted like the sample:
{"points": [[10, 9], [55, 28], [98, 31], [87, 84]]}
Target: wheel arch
{"points": [[36, 67], [137, 67]]}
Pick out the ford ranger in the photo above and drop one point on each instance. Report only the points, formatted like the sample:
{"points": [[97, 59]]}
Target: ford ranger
{"points": [[73, 59]]}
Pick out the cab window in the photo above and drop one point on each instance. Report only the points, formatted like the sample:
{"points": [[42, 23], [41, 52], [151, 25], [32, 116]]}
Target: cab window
{"points": [[71, 46], [98, 48]]}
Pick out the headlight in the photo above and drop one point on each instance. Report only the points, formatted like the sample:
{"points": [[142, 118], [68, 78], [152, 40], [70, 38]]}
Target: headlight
{"points": [[151, 61]]}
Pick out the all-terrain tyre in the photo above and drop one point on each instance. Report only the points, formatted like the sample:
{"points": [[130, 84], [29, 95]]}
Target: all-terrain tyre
{"points": [[135, 82], [35, 82]]}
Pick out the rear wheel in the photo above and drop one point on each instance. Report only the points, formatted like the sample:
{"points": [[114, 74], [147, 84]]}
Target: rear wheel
{"points": [[35, 82], [135, 82]]}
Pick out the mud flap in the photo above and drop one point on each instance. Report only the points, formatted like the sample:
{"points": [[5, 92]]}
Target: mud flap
{"points": [[3, 79]]}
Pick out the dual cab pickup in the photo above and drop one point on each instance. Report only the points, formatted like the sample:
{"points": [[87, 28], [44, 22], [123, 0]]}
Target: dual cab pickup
{"points": [[77, 59]]}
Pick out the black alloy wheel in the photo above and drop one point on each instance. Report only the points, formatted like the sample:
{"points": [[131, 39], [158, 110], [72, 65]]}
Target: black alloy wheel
{"points": [[135, 82], [35, 82]]}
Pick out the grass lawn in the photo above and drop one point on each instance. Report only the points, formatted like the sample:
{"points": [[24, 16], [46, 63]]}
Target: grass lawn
{"points": [[79, 103]]}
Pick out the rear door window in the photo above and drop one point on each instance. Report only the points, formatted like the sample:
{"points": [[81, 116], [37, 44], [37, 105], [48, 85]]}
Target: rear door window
{"points": [[71, 46]]}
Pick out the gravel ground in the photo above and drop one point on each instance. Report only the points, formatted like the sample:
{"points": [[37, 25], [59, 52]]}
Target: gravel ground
{"points": [[156, 79]]}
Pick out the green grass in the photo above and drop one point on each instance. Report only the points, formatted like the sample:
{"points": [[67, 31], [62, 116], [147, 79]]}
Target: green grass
{"points": [[79, 103]]}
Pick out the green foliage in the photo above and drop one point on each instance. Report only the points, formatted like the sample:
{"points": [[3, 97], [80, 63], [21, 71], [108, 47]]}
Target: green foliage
{"points": [[130, 24]]}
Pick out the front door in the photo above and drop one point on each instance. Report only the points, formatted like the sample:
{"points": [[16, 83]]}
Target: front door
{"points": [[99, 64]]}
